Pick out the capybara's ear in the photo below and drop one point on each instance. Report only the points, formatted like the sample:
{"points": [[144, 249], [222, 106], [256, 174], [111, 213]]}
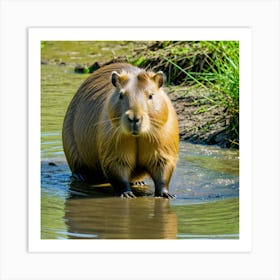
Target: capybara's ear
{"points": [[159, 79], [114, 78], [118, 80]]}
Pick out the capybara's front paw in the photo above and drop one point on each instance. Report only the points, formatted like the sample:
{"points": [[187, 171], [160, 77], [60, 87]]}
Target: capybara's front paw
{"points": [[127, 194], [168, 195], [165, 194]]}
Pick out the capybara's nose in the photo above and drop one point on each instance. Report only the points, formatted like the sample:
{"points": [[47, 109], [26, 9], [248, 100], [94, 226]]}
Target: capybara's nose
{"points": [[134, 119]]}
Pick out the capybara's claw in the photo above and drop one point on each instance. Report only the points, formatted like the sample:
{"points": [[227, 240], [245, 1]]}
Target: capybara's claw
{"points": [[128, 194], [165, 194], [137, 183], [168, 195]]}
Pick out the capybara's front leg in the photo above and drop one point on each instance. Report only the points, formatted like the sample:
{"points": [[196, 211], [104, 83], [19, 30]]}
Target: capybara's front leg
{"points": [[161, 180], [120, 183], [122, 188], [161, 190]]}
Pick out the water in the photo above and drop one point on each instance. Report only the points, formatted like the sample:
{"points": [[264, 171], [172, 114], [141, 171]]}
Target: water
{"points": [[206, 183], [207, 204]]}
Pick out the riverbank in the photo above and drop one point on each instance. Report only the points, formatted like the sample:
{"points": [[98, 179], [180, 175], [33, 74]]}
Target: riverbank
{"points": [[199, 121]]}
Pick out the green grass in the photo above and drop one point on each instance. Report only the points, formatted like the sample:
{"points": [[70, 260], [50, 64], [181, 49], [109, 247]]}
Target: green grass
{"points": [[221, 77], [212, 65]]}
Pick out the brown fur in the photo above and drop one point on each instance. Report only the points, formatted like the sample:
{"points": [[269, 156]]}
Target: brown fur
{"points": [[121, 126]]}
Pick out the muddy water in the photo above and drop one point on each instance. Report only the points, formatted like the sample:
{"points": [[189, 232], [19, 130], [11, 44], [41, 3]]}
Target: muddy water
{"points": [[206, 183]]}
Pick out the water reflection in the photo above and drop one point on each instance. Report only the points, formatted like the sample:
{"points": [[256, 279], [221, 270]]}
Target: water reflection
{"points": [[115, 218]]}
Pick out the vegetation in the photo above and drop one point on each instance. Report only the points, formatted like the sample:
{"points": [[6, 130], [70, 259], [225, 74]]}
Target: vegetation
{"points": [[212, 65]]}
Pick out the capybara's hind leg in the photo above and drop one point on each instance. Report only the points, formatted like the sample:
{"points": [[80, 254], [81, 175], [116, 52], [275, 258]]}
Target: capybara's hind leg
{"points": [[77, 177], [81, 174]]}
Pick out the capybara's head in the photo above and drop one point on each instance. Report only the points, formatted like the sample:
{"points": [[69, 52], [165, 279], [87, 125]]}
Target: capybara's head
{"points": [[138, 104]]}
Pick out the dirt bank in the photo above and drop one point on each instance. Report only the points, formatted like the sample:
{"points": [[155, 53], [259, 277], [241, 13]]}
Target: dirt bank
{"points": [[199, 121]]}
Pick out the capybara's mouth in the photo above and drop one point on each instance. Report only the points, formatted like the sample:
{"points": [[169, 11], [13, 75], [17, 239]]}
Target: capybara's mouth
{"points": [[135, 133]]}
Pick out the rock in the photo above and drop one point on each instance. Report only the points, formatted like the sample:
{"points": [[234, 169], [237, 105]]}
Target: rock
{"points": [[79, 69], [94, 67], [83, 69]]}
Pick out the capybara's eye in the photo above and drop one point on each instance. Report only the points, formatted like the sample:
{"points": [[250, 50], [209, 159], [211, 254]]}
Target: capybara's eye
{"points": [[151, 95]]}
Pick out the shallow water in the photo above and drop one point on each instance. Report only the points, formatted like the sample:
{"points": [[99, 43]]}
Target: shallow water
{"points": [[206, 204], [206, 183]]}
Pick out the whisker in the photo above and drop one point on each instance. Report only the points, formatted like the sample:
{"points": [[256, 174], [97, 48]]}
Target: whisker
{"points": [[153, 136], [118, 134], [156, 123], [107, 121]]}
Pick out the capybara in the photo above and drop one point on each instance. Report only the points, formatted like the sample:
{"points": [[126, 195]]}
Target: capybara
{"points": [[120, 127]]}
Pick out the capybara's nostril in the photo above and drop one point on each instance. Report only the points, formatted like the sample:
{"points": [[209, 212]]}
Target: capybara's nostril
{"points": [[132, 118]]}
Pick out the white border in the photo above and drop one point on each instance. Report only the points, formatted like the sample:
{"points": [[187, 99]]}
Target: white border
{"points": [[262, 16], [243, 35]]}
